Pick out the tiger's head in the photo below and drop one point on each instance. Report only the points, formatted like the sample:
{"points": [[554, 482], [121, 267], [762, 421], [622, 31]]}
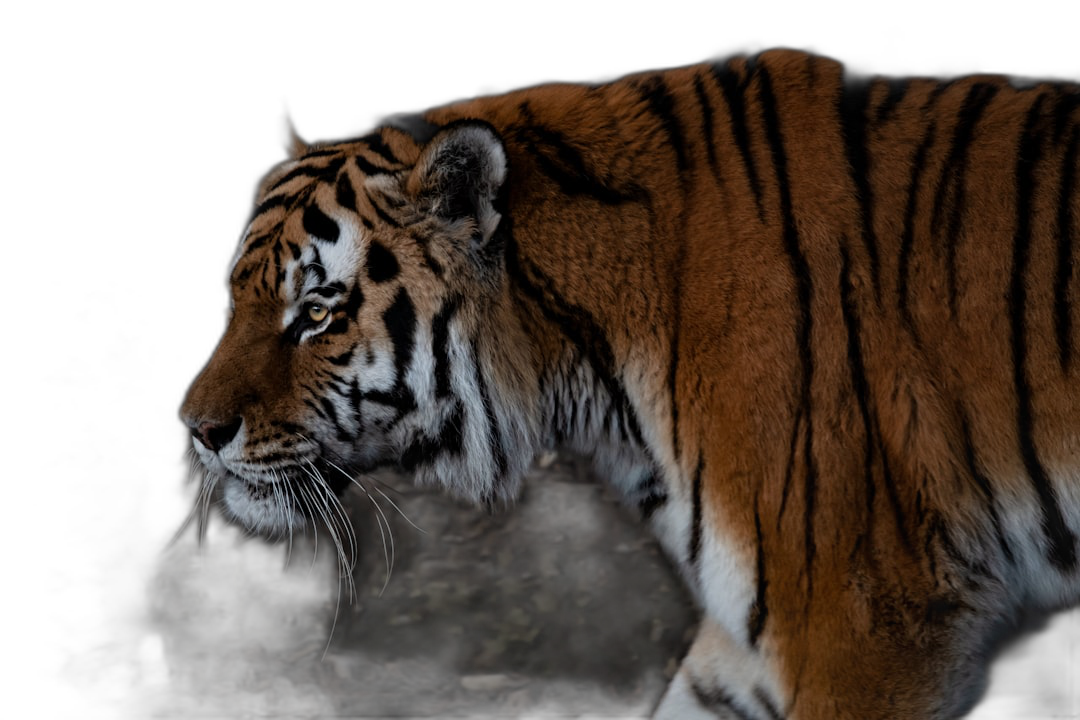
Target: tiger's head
{"points": [[368, 327]]}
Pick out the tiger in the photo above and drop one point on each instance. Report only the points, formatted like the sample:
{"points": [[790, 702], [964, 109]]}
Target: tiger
{"points": [[816, 329]]}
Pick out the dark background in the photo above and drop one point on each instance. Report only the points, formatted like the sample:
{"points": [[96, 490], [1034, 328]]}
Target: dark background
{"points": [[190, 117]]}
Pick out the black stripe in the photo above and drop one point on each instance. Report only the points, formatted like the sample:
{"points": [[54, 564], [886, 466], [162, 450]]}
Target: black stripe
{"points": [[344, 192], [759, 611], [400, 321], [290, 428], [451, 434], [353, 302], [1062, 551], [264, 268], [652, 496], [337, 326], [354, 404], [707, 125], [494, 434], [897, 89], [307, 171], [858, 379], [951, 188], [985, 487], [440, 338], [907, 238], [938, 608], [283, 200], [733, 89], [367, 167], [343, 359], [694, 548], [430, 262], [564, 164], [936, 94], [382, 266], [449, 440], [339, 429], [899, 516], [1066, 229], [319, 224], [276, 251], [662, 104], [382, 214], [256, 243], [400, 398], [762, 697], [328, 410], [800, 270], [302, 171], [854, 103], [239, 277], [789, 469], [377, 145], [1067, 102], [717, 702]]}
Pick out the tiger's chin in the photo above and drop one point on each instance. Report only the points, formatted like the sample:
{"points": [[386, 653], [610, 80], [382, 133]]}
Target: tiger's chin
{"points": [[272, 509], [280, 503]]}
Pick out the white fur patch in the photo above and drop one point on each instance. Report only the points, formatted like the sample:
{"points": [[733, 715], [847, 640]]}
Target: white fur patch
{"points": [[727, 581]]}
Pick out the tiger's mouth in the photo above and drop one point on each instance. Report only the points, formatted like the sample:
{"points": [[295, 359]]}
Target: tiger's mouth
{"points": [[263, 484], [294, 494]]}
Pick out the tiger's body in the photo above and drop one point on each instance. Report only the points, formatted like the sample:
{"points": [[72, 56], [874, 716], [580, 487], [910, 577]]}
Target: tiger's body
{"points": [[819, 332]]}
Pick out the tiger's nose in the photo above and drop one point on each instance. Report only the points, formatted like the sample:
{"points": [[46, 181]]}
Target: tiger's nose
{"points": [[214, 436]]}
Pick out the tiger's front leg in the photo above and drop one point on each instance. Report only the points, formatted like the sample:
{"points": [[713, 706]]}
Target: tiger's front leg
{"points": [[719, 678]]}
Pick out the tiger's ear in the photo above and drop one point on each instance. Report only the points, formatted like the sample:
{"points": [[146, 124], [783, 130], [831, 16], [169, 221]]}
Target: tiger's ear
{"points": [[460, 173], [296, 145]]}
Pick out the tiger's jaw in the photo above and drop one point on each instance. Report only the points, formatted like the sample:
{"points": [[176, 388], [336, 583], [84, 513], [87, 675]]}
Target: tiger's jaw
{"points": [[275, 503]]}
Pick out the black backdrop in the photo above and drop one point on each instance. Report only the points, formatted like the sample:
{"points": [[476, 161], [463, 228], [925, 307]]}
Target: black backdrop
{"points": [[192, 121]]}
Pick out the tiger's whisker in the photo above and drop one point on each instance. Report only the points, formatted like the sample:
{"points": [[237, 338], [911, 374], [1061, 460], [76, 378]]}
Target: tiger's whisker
{"points": [[203, 519], [381, 519], [192, 460], [280, 488], [344, 565], [399, 510]]}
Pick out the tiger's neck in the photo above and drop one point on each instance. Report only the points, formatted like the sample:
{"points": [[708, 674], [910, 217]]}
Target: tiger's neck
{"points": [[581, 301]]}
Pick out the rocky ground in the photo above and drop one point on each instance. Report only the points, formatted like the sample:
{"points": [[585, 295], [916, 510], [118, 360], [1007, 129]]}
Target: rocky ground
{"points": [[561, 607]]}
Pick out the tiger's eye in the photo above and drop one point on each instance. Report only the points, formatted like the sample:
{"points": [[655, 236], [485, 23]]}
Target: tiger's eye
{"points": [[318, 313]]}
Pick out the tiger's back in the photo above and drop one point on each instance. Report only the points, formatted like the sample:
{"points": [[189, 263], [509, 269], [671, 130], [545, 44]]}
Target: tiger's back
{"points": [[819, 331]]}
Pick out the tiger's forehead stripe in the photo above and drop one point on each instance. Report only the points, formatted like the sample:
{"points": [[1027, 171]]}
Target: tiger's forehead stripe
{"points": [[315, 172], [320, 225], [319, 192]]}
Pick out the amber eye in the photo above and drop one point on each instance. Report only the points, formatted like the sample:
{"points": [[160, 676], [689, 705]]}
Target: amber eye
{"points": [[311, 317]]}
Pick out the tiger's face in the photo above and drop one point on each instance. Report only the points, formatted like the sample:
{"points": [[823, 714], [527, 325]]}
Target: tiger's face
{"points": [[357, 294]]}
